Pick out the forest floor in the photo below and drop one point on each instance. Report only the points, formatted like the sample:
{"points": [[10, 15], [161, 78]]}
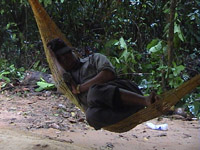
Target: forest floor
{"points": [[50, 122]]}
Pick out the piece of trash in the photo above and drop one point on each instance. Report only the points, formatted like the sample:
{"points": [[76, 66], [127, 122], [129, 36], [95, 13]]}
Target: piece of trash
{"points": [[162, 127], [146, 139], [194, 119]]}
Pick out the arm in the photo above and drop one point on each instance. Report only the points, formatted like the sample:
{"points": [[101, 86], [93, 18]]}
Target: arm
{"points": [[105, 72], [102, 77]]}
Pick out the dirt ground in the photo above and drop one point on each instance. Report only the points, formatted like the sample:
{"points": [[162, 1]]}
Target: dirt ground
{"points": [[51, 122]]}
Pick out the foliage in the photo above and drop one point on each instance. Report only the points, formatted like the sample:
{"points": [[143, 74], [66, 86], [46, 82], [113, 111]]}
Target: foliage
{"points": [[4, 78], [9, 72], [37, 67], [13, 71], [192, 103], [125, 56], [43, 85]]}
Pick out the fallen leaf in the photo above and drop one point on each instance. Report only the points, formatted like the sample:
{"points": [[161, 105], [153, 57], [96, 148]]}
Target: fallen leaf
{"points": [[73, 114], [56, 115], [41, 98], [25, 89]]}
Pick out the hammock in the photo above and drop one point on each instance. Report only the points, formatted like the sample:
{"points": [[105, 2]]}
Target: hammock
{"points": [[48, 31]]}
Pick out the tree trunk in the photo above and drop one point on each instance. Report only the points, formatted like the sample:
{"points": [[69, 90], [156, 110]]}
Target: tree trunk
{"points": [[171, 33], [170, 44]]}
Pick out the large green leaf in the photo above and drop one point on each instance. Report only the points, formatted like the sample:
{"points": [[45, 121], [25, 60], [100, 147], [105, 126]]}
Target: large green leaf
{"points": [[152, 43], [177, 70], [156, 48], [177, 29], [122, 43], [43, 85]]}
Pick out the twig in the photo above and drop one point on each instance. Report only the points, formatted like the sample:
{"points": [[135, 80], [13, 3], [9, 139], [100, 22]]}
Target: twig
{"points": [[6, 88]]}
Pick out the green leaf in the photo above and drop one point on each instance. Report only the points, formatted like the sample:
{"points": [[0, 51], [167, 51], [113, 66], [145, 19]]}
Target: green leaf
{"points": [[180, 68], [4, 73], [177, 29], [196, 106], [3, 77], [43, 85], [177, 70], [36, 65], [122, 43], [14, 36], [156, 48], [2, 12], [46, 2], [125, 55], [56, 115], [117, 60], [167, 11], [152, 43], [8, 26], [3, 85]]}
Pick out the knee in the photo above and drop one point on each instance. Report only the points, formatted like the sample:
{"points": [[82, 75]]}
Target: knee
{"points": [[92, 118]]}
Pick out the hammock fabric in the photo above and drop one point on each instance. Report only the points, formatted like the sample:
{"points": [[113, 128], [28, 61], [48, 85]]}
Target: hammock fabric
{"points": [[48, 31]]}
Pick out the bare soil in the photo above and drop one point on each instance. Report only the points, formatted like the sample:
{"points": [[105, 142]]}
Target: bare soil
{"points": [[51, 122]]}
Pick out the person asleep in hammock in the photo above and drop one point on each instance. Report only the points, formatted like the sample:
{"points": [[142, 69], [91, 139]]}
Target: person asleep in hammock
{"points": [[105, 98]]}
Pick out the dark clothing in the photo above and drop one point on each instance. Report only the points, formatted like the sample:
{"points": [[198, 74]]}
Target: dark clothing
{"points": [[105, 106], [89, 68], [102, 103]]}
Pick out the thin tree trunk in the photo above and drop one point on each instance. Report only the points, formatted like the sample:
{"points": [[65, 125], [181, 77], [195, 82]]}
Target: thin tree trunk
{"points": [[170, 44], [171, 33]]}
